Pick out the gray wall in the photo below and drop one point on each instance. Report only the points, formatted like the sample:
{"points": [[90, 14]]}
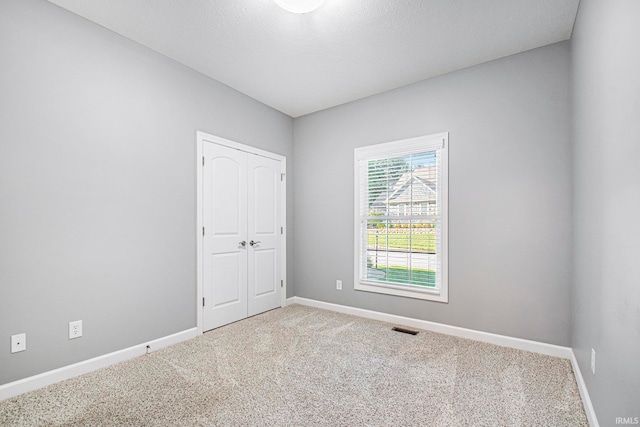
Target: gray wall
{"points": [[509, 195], [97, 185], [606, 290]]}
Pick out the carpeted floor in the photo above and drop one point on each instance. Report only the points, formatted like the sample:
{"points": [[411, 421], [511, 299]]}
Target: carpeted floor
{"points": [[300, 366]]}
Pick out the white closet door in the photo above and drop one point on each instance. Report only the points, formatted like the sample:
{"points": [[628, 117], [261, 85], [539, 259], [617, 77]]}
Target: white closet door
{"points": [[241, 236], [264, 274], [225, 230]]}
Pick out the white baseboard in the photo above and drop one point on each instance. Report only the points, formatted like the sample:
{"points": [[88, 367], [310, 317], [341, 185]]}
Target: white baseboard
{"points": [[584, 393], [501, 340], [66, 372]]}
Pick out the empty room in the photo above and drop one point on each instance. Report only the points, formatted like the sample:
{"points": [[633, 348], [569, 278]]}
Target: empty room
{"points": [[319, 212]]}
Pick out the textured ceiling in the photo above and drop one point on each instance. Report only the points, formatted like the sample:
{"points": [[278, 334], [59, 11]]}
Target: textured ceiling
{"points": [[346, 50]]}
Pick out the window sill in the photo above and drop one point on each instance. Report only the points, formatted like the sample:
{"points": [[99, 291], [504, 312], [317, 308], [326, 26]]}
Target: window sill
{"points": [[403, 291]]}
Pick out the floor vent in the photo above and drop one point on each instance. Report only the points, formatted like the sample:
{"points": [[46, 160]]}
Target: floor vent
{"points": [[405, 331]]}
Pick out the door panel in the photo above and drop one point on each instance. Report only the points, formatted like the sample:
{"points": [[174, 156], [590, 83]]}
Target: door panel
{"points": [[265, 200], [264, 227], [226, 189], [225, 222], [265, 275], [226, 272]]}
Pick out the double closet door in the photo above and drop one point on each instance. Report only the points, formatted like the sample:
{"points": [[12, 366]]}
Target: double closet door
{"points": [[241, 235]]}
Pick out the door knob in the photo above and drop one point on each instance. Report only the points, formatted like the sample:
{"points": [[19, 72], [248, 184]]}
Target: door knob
{"points": [[243, 243], [252, 243]]}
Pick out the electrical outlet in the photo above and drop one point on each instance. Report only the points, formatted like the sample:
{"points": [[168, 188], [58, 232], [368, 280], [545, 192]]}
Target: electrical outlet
{"points": [[339, 285], [75, 329], [18, 343], [593, 361]]}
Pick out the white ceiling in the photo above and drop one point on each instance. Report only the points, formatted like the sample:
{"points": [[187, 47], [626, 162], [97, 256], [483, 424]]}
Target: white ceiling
{"points": [[346, 50]]}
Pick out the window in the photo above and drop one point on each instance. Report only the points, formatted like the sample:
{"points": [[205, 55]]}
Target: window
{"points": [[401, 217]]}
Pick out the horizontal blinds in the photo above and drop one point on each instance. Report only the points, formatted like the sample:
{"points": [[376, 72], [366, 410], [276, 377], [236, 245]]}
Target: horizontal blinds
{"points": [[400, 216]]}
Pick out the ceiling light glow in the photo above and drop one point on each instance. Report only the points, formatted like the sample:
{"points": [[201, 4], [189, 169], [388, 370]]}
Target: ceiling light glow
{"points": [[299, 6]]}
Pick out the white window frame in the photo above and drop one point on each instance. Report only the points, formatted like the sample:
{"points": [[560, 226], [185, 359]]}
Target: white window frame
{"points": [[433, 142]]}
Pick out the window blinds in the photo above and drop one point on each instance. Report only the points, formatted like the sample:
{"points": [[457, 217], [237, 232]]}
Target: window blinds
{"points": [[400, 216]]}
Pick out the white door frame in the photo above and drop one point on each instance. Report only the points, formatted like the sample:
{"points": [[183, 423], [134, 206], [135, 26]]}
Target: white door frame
{"points": [[201, 139]]}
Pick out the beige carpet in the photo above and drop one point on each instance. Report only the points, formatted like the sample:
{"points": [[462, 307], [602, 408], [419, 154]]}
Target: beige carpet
{"points": [[299, 366]]}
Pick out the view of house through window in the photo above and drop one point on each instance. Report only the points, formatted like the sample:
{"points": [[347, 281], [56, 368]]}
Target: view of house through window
{"points": [[401, 192]]}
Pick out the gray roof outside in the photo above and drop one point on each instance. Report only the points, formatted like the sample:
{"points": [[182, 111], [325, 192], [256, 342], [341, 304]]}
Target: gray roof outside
{"points": [[415, 186]]}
